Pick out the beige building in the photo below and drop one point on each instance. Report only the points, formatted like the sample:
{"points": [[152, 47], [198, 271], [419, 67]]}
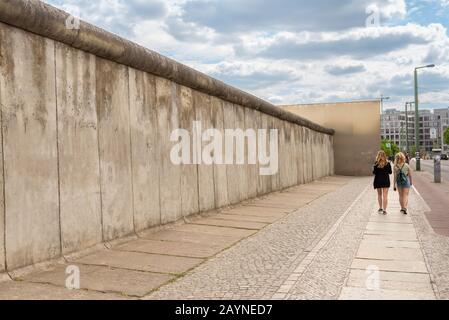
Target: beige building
{"points": [[357, 132]]}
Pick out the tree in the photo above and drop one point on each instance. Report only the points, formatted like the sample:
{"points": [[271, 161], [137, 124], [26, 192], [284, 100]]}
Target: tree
{"points": [[446, 136], [389, 147], [412, 151]]}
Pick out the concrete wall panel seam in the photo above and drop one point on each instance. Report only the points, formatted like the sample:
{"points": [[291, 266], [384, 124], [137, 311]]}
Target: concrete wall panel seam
{"points": [[57, 153], [3, 265], [131, 154]]}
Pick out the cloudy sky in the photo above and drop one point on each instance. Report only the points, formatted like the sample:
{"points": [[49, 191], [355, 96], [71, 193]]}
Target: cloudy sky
{"points": [[294, 51]]}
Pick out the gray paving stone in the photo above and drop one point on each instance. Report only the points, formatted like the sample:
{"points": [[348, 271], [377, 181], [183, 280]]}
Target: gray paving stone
{"points": [[141, 261], [215, 230], [105, 279], [256, 211], [275, 204], [354, 293], [393, 276], [374, 251], [393, 218], [389, 265], [21, 290], [175, 248], [251, 225], [390, 243], [194, 237], [392, 281], [249, 207], [390, 235], [390, 226], [241, 217]]}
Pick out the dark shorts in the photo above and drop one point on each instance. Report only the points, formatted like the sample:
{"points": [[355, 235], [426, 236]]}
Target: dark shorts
{"points": [[405, 185]]}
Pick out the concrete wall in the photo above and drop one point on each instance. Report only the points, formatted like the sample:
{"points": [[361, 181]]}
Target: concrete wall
{"points": [[85, 152], [356, 139]]}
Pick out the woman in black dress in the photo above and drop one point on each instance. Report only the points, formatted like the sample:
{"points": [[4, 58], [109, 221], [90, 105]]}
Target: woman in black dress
{"points": [[382, 171]]}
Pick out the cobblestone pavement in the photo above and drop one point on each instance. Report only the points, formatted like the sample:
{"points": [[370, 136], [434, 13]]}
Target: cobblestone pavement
{"points": [[259, 266], [325, 274]]}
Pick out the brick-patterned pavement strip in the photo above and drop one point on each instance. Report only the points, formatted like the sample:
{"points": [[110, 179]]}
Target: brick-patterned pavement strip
{"points": [[435, 246], [436, 196]]}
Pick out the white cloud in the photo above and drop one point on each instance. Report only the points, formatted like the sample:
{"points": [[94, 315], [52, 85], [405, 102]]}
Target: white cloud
{"points": [[291, 50]]}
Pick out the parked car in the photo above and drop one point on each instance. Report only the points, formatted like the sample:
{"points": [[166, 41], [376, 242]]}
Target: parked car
{"points": [[444, 157]]}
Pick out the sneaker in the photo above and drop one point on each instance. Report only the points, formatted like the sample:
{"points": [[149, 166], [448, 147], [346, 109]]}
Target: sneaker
{"points": [[385, 212], [380, 211], [405, 211]]}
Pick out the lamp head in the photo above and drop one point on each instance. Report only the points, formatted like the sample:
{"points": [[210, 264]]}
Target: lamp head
{"points": [[427, 66]]}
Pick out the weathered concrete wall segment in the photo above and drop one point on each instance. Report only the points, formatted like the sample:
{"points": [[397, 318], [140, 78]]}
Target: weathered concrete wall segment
{"points": [[47, 21], [85, 153]]}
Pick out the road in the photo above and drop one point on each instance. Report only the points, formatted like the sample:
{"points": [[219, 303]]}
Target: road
{"points": [[427, 165]]}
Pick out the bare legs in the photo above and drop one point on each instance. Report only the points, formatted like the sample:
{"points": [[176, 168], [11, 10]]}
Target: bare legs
{"points": [[406, 192], [382, 198], [403, 197], [379, 198], [385, 198]]}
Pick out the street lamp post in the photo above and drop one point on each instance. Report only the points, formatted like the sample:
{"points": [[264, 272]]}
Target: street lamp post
{"points": [[417, 142], [406, 127], [382, 99]]}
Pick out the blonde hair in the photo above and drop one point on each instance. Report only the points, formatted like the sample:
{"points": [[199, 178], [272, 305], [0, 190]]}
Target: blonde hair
{"points": [[381, 159], [399, 159]]}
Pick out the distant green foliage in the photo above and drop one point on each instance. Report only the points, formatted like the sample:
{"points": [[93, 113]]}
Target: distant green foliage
{"points": [[389, 147], [446, 136]]}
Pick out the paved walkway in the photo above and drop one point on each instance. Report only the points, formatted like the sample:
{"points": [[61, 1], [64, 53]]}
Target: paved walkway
{"points": [[389, 263], [322, 240]]}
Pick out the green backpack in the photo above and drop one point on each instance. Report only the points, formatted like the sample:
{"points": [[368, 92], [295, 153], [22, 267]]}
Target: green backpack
{"points": [[401, 178]]}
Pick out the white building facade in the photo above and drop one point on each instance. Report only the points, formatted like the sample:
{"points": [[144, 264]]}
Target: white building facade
{"points": [[432, 124]]}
